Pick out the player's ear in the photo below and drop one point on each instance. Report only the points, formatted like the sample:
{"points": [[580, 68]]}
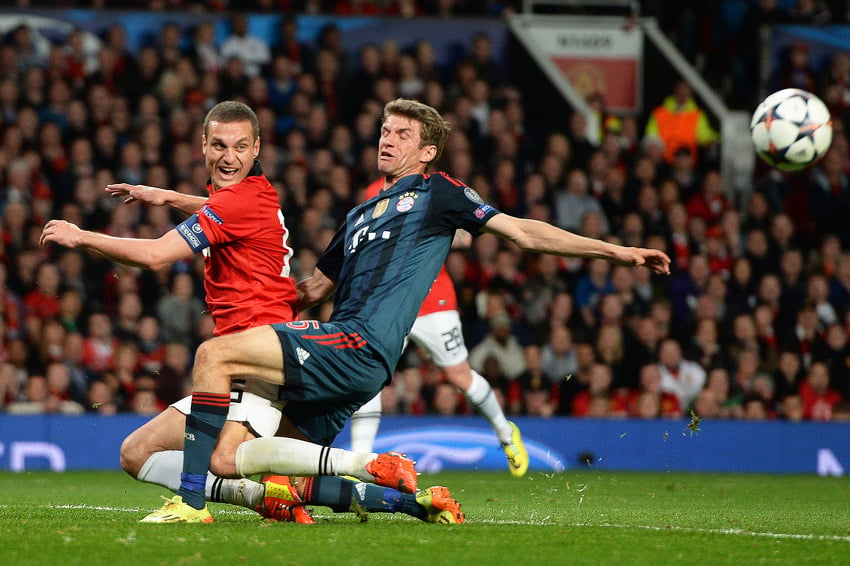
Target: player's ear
{"points": [[257, 147], [429, 152]]}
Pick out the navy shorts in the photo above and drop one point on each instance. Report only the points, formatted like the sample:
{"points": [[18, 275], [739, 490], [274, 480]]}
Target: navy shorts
{"points": [[330, 370]]}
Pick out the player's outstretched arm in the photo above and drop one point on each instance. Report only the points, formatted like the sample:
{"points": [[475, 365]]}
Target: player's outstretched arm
{"points": [[188, 204], [149, 254], [536, 236]]}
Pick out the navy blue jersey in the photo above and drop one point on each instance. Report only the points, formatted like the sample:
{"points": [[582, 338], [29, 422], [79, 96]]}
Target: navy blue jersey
{"points": [[389, 251]]}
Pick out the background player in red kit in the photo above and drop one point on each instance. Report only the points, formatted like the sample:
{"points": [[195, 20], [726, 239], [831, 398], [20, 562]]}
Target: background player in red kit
{"points": [[438, 331]]}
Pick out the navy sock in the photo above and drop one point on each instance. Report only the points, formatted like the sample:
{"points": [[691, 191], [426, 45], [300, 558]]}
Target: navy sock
{"points": [[203, 425], [344, 495]]}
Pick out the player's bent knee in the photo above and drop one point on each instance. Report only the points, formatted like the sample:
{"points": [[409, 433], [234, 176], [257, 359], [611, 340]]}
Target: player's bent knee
{"points": [[206, 353], [223, 463], [133, 455]]}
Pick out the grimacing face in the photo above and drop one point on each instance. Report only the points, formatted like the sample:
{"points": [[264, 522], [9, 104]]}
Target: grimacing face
{"points": [[399, 153], [229, 152]]}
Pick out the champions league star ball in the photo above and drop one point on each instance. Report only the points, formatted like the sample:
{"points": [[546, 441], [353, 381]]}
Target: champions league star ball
{"points": [[791, 129]]}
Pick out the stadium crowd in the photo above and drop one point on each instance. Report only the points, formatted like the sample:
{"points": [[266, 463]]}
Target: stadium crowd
{"points": [[754, 323]]}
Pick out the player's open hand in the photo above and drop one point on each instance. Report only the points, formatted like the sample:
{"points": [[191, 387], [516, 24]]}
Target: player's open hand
{"points": [[60, 232], [132, 193], [656, 260]]}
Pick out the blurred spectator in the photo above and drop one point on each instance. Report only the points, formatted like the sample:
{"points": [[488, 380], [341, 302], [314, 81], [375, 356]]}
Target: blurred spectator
{"points": [[704, 347], [558, 356], [32, 49], [818, 397], [502, 345], [685, 288], [804, 335], [839, 284], [100, 344], [179, 312], [144, 402], [796, 70], [649, 401], [598, 400], [683, 378], [834, 352], [100, 400], [445, 400], [539, 393], [203, 50], [545, 282], [715, 400], [788, 375], [829, 196], [590, 288], [680, 123], [764, 390], [792, 408], [252, 51], [573, 203], [173, 379], [710, 202], [755, 409]]}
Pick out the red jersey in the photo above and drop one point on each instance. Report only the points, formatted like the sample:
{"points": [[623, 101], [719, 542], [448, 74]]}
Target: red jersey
{"points": [[442, 295], [243, 237]]}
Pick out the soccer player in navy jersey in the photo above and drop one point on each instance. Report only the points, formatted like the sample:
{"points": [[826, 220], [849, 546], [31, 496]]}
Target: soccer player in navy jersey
{"points": [[437, 330], [381, 264]]}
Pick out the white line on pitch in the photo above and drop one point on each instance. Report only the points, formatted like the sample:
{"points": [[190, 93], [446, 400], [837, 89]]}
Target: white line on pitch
{"points": [[671, 528], [740, 532]]}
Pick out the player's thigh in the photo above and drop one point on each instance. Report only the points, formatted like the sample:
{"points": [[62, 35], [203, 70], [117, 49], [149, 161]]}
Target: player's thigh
{"points": [[441, 335], [255, 353]]}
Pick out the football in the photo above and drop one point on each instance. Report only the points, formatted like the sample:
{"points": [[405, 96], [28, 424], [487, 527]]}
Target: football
{"points": [[791, 129]]}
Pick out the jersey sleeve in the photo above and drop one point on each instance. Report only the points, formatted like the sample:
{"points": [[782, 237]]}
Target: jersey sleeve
{"points": [[459, 206], [228, 215], [330, 263]]}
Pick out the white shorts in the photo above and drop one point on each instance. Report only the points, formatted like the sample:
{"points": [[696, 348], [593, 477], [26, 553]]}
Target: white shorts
{"points": [[252, 403], [439, 334]]}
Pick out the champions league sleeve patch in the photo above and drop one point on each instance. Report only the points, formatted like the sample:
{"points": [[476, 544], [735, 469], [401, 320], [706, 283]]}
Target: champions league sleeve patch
{"points": [[208, 212], [482, 210], [191, 231]]}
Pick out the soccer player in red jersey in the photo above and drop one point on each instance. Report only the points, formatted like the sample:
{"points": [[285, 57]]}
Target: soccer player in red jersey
{"points": [[437, 330], [241, 232]]}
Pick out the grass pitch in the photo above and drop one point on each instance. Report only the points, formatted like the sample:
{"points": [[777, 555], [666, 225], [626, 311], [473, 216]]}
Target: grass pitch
{"points": [[579, 517]]}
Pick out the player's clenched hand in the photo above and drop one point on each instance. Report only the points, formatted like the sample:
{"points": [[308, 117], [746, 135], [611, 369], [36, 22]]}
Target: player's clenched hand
{"points": [[656, 260], [132, 193], [60, 232]]}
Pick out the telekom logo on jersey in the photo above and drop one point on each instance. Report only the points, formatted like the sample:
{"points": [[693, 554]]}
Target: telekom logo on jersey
{"points": [[365, 234]]}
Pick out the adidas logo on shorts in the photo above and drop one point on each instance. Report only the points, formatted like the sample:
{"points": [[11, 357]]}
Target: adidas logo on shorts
{"points": [[302, 355]]}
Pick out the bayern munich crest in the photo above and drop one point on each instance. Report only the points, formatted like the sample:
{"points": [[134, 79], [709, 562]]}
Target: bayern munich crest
{"points": [[406, 202]]}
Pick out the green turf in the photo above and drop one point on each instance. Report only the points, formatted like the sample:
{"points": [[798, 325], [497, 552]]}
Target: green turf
{"points": [[579, 517]]}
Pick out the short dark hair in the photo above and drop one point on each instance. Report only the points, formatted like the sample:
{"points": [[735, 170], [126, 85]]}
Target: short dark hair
{"points": [[435, 130], [232, 111]]}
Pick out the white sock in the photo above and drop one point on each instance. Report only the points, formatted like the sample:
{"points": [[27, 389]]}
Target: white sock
{"points": [[164, 468], [480, 395], [364, 425], [292, 457]]}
